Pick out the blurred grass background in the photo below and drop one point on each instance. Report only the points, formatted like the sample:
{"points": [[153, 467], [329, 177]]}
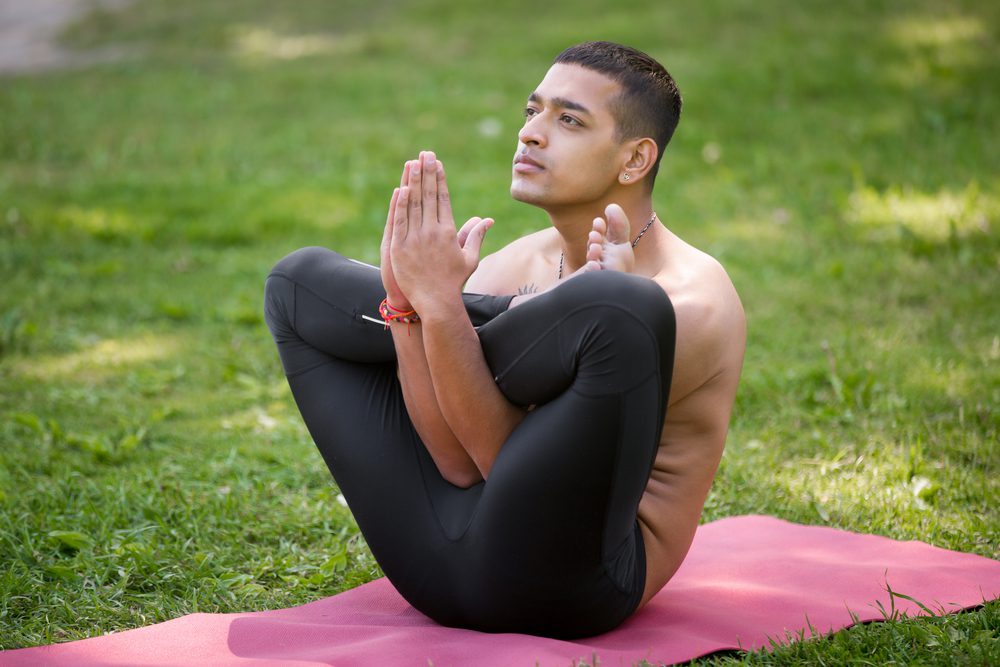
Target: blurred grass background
{"points": [[841, 160]]}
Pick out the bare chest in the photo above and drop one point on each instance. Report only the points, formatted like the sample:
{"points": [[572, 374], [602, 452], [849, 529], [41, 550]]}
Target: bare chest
{"points": [[536, 274]]}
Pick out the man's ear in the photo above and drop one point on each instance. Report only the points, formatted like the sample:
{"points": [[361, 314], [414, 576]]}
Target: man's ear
{"points": [[640, 156]]}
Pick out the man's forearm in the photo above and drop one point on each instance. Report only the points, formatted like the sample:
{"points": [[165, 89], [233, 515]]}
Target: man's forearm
{"points": [[448, 454], [426, 261], [478, 414]]}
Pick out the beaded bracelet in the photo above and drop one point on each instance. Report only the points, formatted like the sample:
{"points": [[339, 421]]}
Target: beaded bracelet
{"points": [[391, 314]]}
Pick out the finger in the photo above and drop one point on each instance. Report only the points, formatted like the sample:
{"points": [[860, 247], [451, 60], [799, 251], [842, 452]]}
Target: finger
{"points": [[401, 221], [387, 234], [469, 225], [413, 212], [406, 174], [392, 207], [429, 192], [444, 198]]}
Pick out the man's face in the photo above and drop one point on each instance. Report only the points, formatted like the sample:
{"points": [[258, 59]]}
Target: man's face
{"points": [[567, 153]]}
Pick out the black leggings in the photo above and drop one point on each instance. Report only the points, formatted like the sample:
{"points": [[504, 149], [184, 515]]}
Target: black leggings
{"points": [[549, 545]]}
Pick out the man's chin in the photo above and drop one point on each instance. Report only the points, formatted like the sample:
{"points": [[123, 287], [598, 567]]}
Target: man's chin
{"points": [[525, 195]]}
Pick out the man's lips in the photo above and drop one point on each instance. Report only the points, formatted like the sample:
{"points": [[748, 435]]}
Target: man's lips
{"points": [[524, 164]]}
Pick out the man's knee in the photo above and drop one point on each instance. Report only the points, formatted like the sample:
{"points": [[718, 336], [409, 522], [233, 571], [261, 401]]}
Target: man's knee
{"points": [[641, 297], [294, 263], [279, 288], [279, 305], [626, 320]]}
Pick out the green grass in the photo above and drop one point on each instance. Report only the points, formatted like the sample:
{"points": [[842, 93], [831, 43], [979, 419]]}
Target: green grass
{"points": [[841, 160]]}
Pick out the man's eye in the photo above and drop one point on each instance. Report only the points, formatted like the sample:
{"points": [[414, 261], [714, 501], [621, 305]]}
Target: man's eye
{"points": [[569, 120], [529, 112]]}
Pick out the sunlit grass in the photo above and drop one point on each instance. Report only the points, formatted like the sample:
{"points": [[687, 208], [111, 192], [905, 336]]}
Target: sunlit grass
{"points": [[932, 216], [256, 42], [937, 45], [100, 361]]}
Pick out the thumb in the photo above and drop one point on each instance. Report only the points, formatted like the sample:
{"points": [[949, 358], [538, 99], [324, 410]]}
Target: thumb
{"points": [[469, 225], [474, 240]]}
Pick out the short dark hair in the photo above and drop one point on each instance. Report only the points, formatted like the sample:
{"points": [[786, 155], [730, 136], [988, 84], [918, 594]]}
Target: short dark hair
{"points": [[649, 104]]}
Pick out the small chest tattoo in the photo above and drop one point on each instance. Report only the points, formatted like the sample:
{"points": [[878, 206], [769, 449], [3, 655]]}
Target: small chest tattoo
{"points": [[530, 288]]}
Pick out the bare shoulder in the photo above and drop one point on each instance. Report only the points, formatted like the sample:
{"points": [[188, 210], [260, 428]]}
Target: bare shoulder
{"points": [[707, 296], [711, 324], [514, 268]]}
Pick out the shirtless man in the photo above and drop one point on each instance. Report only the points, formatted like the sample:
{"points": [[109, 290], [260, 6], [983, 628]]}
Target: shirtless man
{"points": [[482, 378]]}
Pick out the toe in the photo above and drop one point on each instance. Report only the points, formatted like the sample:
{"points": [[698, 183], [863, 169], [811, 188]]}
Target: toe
{"points": [[617, 225]]}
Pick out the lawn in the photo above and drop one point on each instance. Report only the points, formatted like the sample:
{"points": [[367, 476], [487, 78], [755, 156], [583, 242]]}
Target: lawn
{"points": [[842, 160]]}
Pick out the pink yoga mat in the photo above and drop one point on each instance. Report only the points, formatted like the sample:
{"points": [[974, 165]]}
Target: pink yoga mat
{"points": [[746, 580]]}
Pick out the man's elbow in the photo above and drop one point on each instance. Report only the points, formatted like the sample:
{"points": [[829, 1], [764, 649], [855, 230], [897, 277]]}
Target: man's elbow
{"points": [[463, 479], [458, 471]]}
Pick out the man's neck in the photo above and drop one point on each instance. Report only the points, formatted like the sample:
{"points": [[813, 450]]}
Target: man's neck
{"points": [[574, 226]]}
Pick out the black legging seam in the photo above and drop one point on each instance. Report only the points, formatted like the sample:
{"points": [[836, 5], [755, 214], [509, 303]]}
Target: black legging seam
{"points": [[614, 476], [296, 285], [301, 286], [319, 364], [430, 499]]}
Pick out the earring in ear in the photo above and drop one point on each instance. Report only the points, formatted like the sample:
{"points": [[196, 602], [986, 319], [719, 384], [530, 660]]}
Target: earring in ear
{"points": [[627, 176]]}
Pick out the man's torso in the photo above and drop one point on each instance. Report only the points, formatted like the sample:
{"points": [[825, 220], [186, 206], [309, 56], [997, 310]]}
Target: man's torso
{"points": [[711, 336]]}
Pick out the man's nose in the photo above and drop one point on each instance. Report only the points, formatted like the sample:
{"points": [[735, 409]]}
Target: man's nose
{"points": [[531, 132]]}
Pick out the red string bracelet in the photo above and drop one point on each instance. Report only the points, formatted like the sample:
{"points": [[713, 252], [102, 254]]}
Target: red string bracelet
{"points": [[390, 313]]}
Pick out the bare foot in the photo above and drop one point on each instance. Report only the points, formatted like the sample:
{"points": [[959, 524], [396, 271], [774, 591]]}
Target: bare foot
{"points": [[608, 244]]}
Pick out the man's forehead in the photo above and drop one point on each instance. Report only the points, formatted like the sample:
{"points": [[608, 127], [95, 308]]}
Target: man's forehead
{"points": [[582, 86]]}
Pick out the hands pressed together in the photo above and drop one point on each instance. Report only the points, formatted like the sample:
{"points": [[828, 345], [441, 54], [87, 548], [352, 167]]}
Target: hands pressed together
{"points": [[458, 410], [426, 262], [424, 259]]}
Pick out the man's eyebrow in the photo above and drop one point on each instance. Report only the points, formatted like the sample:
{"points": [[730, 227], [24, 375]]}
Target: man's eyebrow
{"points": [[560, 102]]}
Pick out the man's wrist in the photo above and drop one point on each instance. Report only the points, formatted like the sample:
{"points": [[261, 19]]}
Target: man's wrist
{"points": [[398, 302], [439, 307]]}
